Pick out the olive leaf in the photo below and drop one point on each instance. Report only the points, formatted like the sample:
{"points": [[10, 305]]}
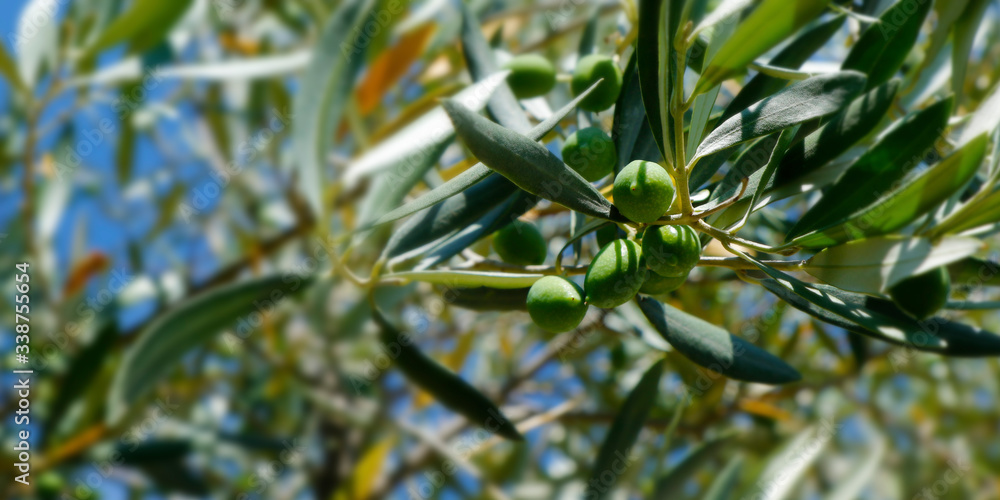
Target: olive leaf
{"points": [[528, 164], [793, 56], [897, 152], [806, 100], [480, 62], [771, 22], [714, 348], [446, 387], [326, 86], [189, 324], [876, 264], [656, 65], [625, 429], [883, 47], [903, 205], [477, 172]]}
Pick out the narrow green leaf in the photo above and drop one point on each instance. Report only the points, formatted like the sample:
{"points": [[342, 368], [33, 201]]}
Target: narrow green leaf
{"points": [[724, 484], [528, 164], [8, 68], [883, 47], [672, 485], [855, 482], [479, 59], [650, 42], [84, 366], [986, 118], [188, 325], [770, 23], [897, 152], [903, 205], [616, 448], [467, 279], [721, 13], [326, 86], [764, 157], [806, 100], [452, 215], [786, 467], [793, 56], [881, 319], [875, 265], [631, 132], [838, 135], [714, 348], [964, 36], [445, 248], [475, 173], [976, 213], [446, 387], [400, 162], [144, 25]]}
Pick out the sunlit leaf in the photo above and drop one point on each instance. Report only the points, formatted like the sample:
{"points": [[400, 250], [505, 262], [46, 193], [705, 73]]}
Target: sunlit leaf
{"points": [[875, 265]]}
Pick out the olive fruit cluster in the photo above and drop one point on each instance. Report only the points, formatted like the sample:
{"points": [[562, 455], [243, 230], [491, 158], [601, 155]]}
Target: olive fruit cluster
{"points": [[620, 270], [532, 75]]}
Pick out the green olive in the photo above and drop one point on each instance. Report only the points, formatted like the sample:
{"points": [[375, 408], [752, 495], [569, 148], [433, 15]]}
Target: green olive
{"points": [[658, 285], [924, 294], [671, 251], [556, 304], [520, 243], [590, 152], [615, 275], [588, 70], [531, 75], [643, 191]]}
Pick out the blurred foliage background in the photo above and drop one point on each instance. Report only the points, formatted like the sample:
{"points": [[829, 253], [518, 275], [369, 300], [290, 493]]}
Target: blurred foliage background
{"points": [[153, 152]]}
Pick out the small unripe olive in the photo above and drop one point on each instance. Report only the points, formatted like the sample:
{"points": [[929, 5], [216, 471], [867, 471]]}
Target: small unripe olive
{"points": [[531, 75], [590, 152], [643, 191], [520, 243], [922, 295], [588, 70], [615, 275], [671, 250], [658, 285], [556, 304]]}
